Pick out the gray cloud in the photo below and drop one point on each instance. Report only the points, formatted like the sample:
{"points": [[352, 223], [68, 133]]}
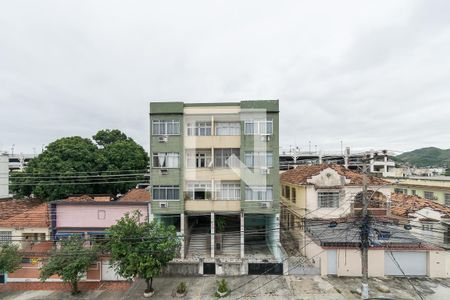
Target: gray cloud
{"points": [[373, 74]]}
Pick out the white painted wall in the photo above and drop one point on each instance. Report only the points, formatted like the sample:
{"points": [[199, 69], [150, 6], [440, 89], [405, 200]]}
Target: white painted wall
{"points": [[4, 175]]}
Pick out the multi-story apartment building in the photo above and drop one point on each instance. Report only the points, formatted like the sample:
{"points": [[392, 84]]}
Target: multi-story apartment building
{"points": [[214, 175], [431, 188]]}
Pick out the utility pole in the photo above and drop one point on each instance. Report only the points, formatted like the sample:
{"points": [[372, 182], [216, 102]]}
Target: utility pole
{"points": [[365, 238]]}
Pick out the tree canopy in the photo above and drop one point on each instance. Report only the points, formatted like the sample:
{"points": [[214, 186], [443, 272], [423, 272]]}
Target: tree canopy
{"points": [[10, 258], [143, 249], [70, 262], [76, 165]]}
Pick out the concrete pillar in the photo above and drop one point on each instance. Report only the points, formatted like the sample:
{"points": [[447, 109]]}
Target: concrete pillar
{"points": [[213, 235], [372, 167], [242, 236], [385, 163], [183, 236]]}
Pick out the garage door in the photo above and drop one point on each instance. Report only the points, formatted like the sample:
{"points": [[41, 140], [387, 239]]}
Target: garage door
{"points": [[412, 263], [332, 262], [109, 274]]}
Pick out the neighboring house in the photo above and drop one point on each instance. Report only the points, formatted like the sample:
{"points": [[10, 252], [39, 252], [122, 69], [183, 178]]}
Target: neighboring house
{"points": [[214, 175], [4, 176], [335, 250], [325, 192], [25, 223], [429, 220], [432, 188], [90, 217]]}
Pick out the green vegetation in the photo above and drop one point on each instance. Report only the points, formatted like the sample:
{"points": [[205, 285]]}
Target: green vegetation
{"points": [[143, 249], [182, 288], [10, 258], [426, 157], [222, 288], [70, 262], [72, 165]]}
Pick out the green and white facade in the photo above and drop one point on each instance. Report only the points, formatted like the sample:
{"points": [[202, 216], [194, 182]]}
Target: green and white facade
{"points": [[214, 175]]}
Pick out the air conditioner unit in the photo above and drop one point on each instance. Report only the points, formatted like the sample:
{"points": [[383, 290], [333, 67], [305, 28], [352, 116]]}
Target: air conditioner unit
{"points": [[265, 204], [163, 138], [163, 205], [164, 171], [265, 171], [265, 138]]}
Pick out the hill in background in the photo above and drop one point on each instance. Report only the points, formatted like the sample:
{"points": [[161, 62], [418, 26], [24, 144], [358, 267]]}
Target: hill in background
{"points": [[426, 157]]}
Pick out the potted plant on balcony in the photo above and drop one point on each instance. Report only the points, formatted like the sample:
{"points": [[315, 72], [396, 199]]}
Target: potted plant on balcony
{"points": [[181, 290], [222, 288]]}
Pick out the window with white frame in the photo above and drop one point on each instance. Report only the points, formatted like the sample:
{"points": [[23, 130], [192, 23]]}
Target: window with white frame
{"points": [[228, 128], [258, 159], [258, 127], [428, 195], [165, 127], [447, 199], [5, 237], [198, 190], [166, 160], [228, 191], [259, 193], [198, 159], [199, 128], [166, 192], [328, 199], [222, 155]]}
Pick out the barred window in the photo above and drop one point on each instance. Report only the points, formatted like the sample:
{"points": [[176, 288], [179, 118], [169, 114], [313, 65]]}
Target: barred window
{"points": [[169, 192], [5, 237], [328, 199], [428, 195], [165, 127]]}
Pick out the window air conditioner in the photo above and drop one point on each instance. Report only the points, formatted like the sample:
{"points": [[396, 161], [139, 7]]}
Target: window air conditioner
{"points": [[265, 204], [164, 171], [163, 205], [163, 138]]}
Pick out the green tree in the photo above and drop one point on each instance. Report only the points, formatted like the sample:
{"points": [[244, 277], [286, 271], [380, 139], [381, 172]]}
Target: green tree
{"points": [[76, 165], [10, 258], [142, 249], [70, 262]]}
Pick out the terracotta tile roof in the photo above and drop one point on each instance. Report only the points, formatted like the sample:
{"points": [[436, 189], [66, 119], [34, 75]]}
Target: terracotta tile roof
{"points": [[136, 195], [301, 174], [10, 208], [35, 217], [402, 205], [82, 198]]}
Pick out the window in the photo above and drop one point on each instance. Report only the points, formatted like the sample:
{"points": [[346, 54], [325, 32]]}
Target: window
{"points": [[221, 156], [26, 260], [257, 193], [228, 191], [199, 128], [282, 191], [199, 191], [262, 127], [5, 237], [287, 192], [328, 199], [198, 159], [427, 227], [428, 195], [228, 128], [101, 214], [447, 199], [413, 192], [400, 191], [166, 160], [170, 192], [165, 127], [293, 198], [259, 159]]}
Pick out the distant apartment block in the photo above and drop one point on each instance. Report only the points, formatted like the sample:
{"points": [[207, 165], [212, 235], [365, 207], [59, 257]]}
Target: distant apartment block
{"points": [[431, 188], [214, 175], [4, 176], [18, 162]]}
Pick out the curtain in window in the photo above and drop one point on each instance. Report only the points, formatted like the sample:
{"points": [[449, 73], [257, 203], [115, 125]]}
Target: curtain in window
{"points": [[161, 159]]}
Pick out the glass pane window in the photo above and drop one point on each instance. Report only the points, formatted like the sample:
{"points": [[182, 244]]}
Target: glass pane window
{"points": [[447, 199], [222, 157], [428, 195], [198, 191], [255, 127], [165, 127], [228, 191], [166, 160], [198, 159], [199, 128], [170, 192], [263, 193], [228, 128], [258, 159], [328, 199]]}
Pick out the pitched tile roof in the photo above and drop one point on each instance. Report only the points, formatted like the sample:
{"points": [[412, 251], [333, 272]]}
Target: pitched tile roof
{"points": [[403, 205], [10, 208], [136, 195], [301, 174], [34, 217]]}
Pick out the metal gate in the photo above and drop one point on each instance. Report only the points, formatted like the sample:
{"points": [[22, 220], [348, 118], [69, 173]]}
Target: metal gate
{"points": [[332, 262], [265, 268], [209, 268], [411, 263]]}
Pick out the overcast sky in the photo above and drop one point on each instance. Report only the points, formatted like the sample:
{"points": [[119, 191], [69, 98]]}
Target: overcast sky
{"points": [[374, 74]]}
